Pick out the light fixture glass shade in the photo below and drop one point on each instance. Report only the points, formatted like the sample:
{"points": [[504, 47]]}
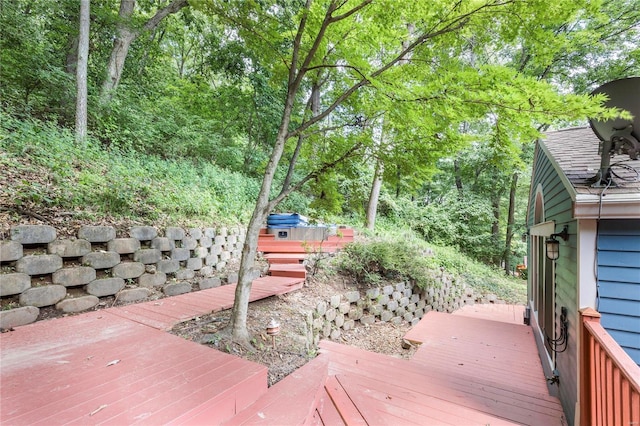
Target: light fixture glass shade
{"points": [[553, 248]]}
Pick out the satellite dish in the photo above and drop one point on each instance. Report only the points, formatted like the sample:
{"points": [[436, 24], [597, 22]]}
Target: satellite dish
{"points": [[618, 136]]}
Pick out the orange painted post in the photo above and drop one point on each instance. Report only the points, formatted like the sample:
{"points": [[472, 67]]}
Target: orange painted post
{"points": [[588, 376]]}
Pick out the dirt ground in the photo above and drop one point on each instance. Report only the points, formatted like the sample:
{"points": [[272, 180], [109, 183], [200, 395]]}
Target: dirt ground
{"points": [[291, 349]]}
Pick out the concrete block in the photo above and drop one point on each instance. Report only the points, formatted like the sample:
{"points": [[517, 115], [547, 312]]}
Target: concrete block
{"points": [[335, 300], [348, 325], [101, 259], [223, 232], [33, 234], [10, 251], [43, 296], [147, 256], [224, 256], [70, 277], [339, 320], [400, 287], [414, 321], [128, 270], [411, 307], [163, 244], [373, 293], [326, 329], [97, 234], [206, 242], [69, 248], [331, 314], [194, 263], [77, 304], [200, 252], [11, 284], [219, 240], [386, 316], [368, 319], [175, 289], [421, 304], [232, 240], [39, 264], [174, 233], [220, 266], [232, 278], [195, 233], [352, 296], [396, 295], [408, 316], [419, 313], [355, 313], [414, 298], [152, 280], [392, 305], [133, 294], [18, 316], [318, 323], [404, 301], [215, 250], [185, 274], [143, 233], [383, 299], [335, 333], [375, 310], [168, 266], [124, 245], [400, 311], [105, 286], [209, 232], [388, 290], [207, 271], [344, 307], [396, 320], [189, 243], [180, 254], [212, 282], [321, 308], [211, 260]]}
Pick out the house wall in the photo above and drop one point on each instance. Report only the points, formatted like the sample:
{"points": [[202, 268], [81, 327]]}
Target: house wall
{"points": [[558, 207], [619, 282]]}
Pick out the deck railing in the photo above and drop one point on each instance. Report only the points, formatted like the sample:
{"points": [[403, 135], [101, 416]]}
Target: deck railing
{"points": [[610, 380]]}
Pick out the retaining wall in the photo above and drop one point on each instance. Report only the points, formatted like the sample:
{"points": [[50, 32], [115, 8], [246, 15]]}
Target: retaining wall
{"points": [[37, 269], [402, 302]]}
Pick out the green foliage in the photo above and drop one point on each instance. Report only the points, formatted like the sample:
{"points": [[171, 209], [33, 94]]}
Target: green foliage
{"points": [[120, 182], [402, 255]]}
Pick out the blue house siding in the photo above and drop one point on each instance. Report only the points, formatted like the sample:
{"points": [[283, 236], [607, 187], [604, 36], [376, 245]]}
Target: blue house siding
{"points": [[619, 282]]}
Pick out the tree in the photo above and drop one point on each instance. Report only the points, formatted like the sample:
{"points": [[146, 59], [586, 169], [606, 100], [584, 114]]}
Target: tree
{"points": [[81, 72], [127, 33], [362, 48]]}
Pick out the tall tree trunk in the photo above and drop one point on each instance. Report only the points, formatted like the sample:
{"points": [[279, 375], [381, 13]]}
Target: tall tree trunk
{"points": [[458, 178], [510, 223], [495, 227], [374, 196], [81, 73], [127, 35]]}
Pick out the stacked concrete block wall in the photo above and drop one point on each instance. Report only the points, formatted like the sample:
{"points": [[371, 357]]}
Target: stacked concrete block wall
{"points": [[38, 269], [398, 303]]}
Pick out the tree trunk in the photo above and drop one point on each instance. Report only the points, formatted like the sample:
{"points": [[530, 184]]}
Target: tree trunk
{"points": [[510, 223], [495, 228], [374, 196], [238, 322], [127, 35], [81, 73], [456, 170]]}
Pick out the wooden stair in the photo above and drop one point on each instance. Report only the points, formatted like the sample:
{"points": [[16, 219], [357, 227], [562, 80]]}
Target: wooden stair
{"points": [[290, 270]]}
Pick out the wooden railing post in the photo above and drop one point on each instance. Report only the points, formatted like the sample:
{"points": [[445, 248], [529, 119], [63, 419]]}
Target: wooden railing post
{"points": [[587, 395]]}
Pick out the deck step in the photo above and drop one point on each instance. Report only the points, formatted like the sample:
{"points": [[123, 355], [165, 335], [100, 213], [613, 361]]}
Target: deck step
{"points": [[343, 403], [292, 270], [285, 257], [291, 401]]}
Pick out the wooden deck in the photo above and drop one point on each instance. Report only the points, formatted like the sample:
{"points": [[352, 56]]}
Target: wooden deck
{"points": [[467, 371], [119, 366]]}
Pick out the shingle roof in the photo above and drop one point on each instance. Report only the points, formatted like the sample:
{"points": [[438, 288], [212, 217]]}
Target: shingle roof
{"points": [[574, 152]]}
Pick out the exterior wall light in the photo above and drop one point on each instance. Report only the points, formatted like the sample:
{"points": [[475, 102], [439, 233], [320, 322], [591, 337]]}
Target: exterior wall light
{"points": [[553, 245]]}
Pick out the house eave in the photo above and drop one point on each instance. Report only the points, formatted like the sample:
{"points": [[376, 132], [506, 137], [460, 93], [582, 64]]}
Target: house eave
{"points": [[610, 206]]}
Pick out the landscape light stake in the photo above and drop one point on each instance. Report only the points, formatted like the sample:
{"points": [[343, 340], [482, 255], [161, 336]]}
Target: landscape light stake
{"points": [[273, 329]]}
